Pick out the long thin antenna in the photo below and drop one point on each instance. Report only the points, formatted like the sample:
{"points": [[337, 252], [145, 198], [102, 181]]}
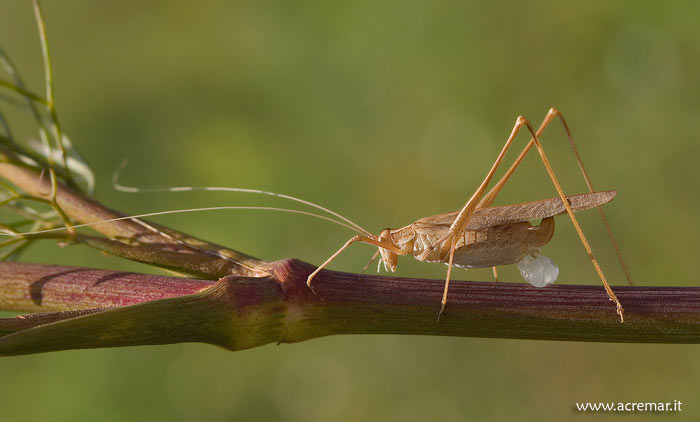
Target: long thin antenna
{"points": [[182, 211], [131, 189]]}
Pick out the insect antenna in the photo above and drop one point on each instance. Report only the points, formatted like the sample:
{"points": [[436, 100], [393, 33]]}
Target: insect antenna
{"points": [[346, 221], [183, 211]]}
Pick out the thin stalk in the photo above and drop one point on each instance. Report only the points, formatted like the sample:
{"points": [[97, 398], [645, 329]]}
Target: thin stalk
{"points": [[22, 91], [50, 103]]}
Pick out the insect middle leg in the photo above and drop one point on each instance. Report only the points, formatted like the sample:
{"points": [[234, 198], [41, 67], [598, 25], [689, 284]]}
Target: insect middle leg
{"points": [[371, 260]]}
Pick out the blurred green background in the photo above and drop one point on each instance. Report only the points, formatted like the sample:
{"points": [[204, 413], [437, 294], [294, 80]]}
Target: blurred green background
{"points": [[386, 112]]}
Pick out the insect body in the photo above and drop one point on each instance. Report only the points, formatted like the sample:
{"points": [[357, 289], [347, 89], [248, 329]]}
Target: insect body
{"points": [[484, 247], [481, 236], [494, 236], [478, 235]]}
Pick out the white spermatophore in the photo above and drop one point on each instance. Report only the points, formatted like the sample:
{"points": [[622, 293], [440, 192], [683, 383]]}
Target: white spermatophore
{"points": [[538, 270]]}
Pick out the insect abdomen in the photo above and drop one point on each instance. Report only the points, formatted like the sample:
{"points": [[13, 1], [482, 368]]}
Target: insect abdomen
{"points": [[492, 246]]}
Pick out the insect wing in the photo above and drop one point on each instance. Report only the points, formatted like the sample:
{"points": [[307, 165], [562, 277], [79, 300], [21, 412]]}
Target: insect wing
{"points": [[535, 210]]}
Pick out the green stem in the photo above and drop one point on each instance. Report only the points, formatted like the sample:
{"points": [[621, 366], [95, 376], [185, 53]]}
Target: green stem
{"points": [[50, 103]]}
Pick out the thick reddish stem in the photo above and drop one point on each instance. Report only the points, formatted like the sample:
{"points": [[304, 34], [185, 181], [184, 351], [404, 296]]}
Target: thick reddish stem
{"points": [[243, 312], [33, 287]]}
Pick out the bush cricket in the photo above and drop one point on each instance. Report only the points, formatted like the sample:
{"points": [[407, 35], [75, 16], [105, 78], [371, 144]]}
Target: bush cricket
{"points": [[476, 236], [481, 236]]}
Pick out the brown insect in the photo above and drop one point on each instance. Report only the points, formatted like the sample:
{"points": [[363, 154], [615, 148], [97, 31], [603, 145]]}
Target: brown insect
{"points": [[482, 236], [476, 236]]}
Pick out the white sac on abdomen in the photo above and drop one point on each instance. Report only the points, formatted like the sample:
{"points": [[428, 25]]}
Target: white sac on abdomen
{"points": [[538, 270]]}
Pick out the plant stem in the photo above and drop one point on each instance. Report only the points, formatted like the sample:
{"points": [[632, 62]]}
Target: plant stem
{"points": [[243, 312], [34, 287], [86, 210]]}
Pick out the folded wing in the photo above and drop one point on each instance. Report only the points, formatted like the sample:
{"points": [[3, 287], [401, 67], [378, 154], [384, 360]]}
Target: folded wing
{"points": [[535, 210]]}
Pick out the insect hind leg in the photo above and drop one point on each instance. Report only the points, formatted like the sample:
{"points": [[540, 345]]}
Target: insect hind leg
{"points": [[604, 219], [569, 211], [553, 113], [478, 200]]}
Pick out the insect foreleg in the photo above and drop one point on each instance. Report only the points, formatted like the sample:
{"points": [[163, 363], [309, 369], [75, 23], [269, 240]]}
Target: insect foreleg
{"points": [[358, 238]]}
